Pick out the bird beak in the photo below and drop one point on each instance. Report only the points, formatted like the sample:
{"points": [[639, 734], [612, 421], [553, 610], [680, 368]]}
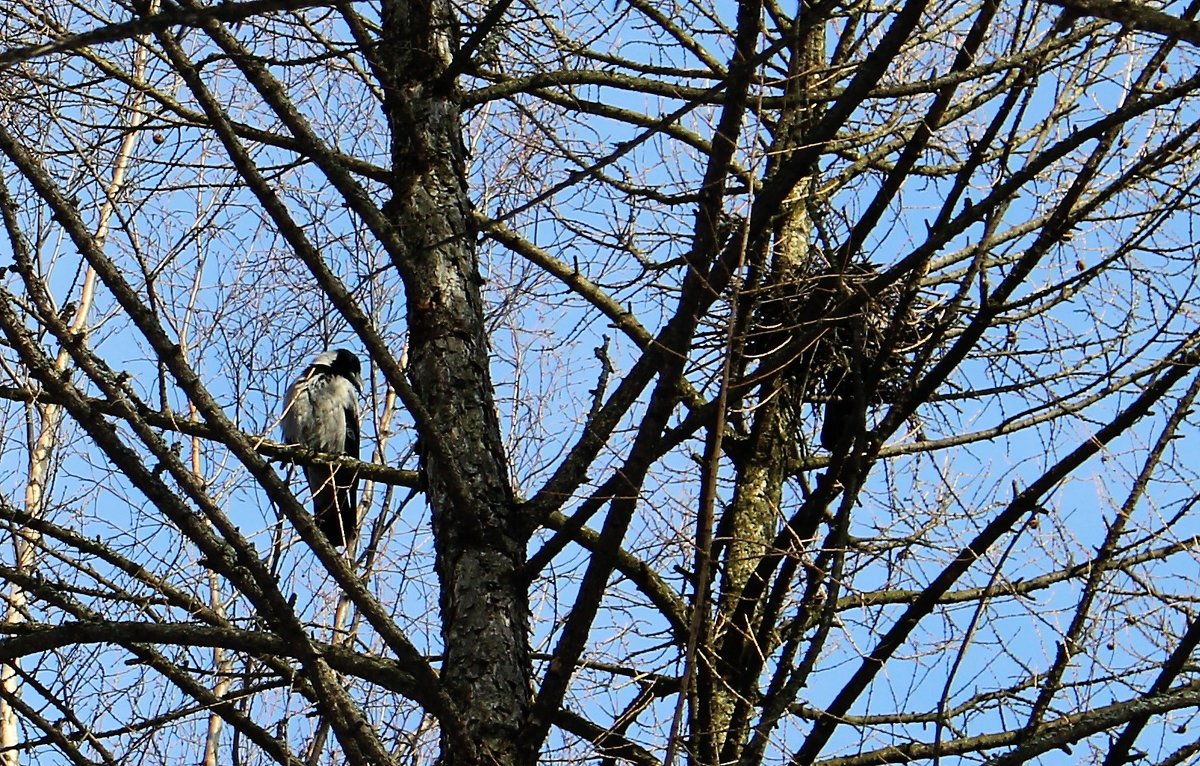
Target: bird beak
{"points": [[358, 384]]}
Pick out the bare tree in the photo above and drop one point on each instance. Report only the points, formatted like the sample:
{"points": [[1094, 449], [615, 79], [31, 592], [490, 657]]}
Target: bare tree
{"points": [[746, 382]]}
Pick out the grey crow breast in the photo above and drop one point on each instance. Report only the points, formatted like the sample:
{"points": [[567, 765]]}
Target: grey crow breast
{"points": [[321, 413]]}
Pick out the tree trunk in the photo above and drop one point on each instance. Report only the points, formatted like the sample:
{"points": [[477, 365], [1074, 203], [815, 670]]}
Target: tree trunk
{"points": [[752, 519], [480, 538]]}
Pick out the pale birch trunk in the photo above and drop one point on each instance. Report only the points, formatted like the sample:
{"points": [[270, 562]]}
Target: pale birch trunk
{"points": [[41, 457]]}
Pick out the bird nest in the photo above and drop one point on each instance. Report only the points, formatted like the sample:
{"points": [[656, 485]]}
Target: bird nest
{"points": [[826, 336]]}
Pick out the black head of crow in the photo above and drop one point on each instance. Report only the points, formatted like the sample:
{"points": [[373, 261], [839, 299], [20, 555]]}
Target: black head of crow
{"points": [[321, 413]]}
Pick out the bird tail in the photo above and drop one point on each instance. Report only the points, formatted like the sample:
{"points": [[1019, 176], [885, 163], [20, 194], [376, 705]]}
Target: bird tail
{"points": [[335, 506]]}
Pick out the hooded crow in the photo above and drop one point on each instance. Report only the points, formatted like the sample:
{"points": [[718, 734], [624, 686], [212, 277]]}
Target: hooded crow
{"points": [[321, 413]]}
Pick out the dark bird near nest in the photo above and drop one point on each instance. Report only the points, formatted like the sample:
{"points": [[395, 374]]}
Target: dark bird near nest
{"points": [[321, 413]]}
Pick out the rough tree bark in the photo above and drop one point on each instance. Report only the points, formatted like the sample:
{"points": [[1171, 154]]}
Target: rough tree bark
{"points": [[480, 537], [749, 524]]}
